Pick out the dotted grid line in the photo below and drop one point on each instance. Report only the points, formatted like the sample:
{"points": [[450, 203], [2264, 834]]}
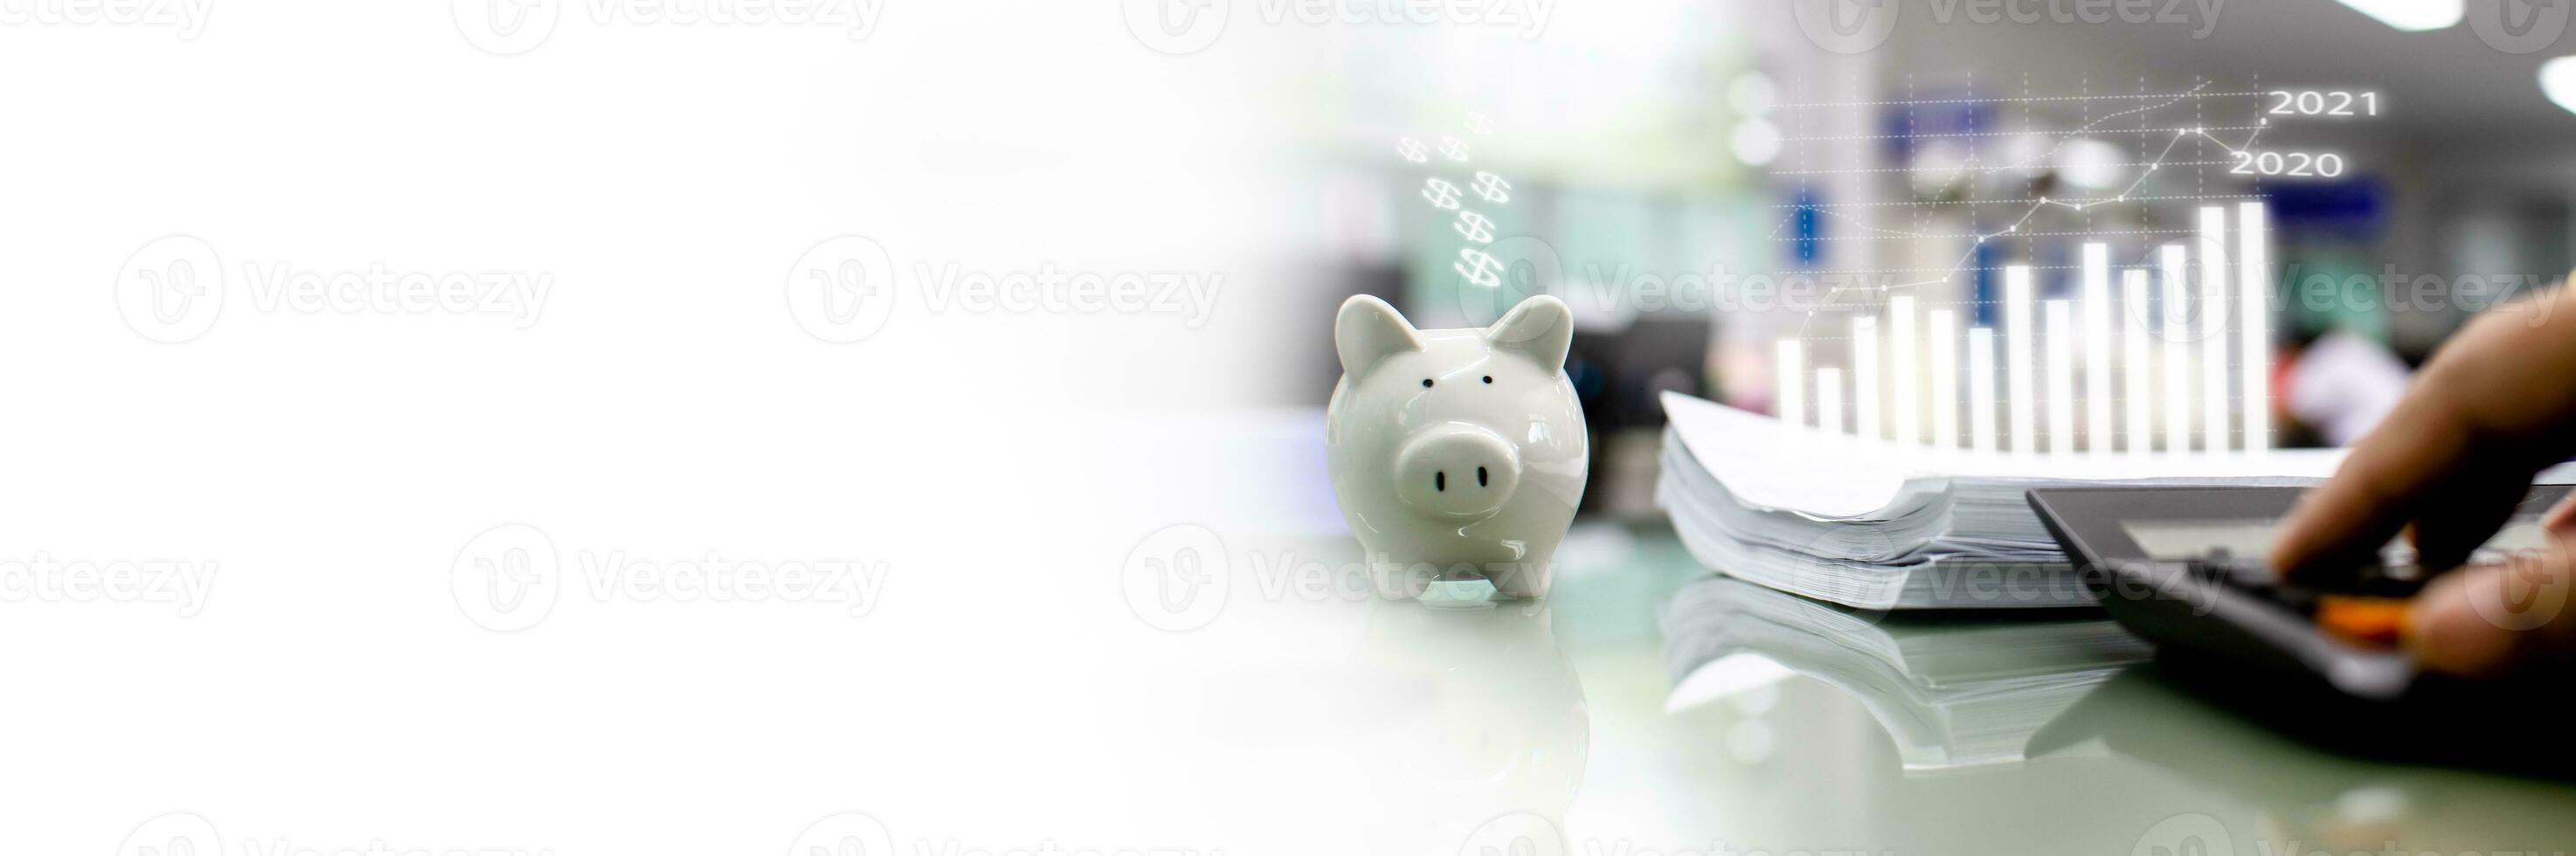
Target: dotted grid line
{"points": [[2194, 92], [2199, 134], [1963, 134]]}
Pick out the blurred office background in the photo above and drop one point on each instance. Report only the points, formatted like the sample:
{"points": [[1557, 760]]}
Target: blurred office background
{"points": [[1650, 142]]}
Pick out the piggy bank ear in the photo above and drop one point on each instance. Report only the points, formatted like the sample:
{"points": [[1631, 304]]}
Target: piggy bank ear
{"points": [[1541, 327], [1368, 330]]}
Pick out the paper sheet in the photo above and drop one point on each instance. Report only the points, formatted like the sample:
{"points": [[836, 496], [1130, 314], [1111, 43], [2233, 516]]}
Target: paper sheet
{"points": [[1800, 469]]}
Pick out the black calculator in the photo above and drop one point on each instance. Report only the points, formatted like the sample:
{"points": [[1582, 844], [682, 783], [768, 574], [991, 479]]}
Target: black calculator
{"points": [[2184, 567]]}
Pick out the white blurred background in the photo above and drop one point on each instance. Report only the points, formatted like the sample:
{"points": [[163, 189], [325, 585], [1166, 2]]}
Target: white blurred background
{"points": [[639, 201]]}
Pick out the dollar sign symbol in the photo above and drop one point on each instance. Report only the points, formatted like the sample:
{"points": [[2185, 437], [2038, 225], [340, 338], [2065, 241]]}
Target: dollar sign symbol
{"points": [[1412, 150], [1475, 227], [1454, 148], [1479, 267], [1481, 126], [1493, 188], [1442, 194]]}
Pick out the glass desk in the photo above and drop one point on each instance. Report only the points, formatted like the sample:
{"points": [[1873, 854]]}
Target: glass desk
{"points": [[1580, 726]]}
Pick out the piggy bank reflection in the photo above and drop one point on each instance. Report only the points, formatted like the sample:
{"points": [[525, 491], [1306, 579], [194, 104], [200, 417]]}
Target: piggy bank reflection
{"points": [[1456, 454], [1489, 733]]}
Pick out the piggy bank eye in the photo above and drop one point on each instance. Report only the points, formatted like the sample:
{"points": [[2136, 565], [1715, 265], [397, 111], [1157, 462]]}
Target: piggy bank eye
{"points": [[1426, 383], [1489, 378]]}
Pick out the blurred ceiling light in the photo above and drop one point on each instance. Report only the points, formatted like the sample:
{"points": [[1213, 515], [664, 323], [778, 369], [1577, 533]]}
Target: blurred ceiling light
{"points": [[1757, 141], [2558, 81], [1937, 167], [2412, 15], [2090, 164], [2028, 154]]}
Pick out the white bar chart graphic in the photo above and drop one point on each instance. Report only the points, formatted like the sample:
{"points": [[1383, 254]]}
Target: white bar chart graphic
{"points": [[1865, 377], [2098, 396], [2254, 323], [2214, 305], [1829, 399], [1903, 370], [2021, 390], [2176, 344], [1944, 338], [2175, 358], [1790, 386], [2137, 393], [1981, 389], [2060, 337]]}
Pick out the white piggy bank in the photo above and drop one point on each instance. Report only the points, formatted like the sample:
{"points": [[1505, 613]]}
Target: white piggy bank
{"points": [[1456, 454]]}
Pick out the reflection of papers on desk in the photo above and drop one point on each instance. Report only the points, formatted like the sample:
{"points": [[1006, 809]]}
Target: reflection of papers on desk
{"points": [[1952, 692], [1880, 525]]}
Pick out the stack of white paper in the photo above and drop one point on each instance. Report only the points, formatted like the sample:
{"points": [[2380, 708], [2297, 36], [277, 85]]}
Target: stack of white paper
{"points": [[1875, 524]]}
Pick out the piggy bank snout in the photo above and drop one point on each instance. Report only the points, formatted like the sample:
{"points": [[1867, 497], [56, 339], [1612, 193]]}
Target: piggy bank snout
{"points": [[1457, 471]]}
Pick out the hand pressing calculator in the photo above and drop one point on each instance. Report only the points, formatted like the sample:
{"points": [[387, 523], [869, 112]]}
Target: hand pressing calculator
{"points": [[2184, 567]]}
